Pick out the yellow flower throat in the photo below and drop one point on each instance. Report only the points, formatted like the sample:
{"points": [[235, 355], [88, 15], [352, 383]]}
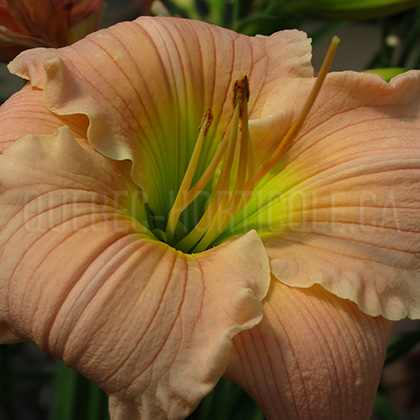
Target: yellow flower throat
{"points": [[232, 191]]}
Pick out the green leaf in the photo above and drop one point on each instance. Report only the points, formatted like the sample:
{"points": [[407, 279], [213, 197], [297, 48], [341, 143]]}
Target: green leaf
{"points": [[77, 398], [227, 401], [384, 409], [401, 344], [387, 73], [217, 12], [359, 9], [411, 39], [64, 392]]}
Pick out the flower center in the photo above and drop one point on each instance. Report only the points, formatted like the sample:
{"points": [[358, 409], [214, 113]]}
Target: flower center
{"points": [[232, 168]]}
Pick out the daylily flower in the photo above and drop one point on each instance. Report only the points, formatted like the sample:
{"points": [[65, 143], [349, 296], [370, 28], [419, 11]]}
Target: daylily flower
{"points": [[49, 23], [169, 186]]}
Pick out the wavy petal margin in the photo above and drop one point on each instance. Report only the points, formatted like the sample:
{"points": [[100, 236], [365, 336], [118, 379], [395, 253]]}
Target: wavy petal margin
{"points": [[25, 113], [84, 281], [314, 356], [341, 208], [146, 84]]}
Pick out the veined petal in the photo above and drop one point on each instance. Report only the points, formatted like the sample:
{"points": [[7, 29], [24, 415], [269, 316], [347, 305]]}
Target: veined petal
{"points": [[7, 336], [145, 85], [84, 281], [341, 208], [25, 113], [314, 356], [45, 182]]}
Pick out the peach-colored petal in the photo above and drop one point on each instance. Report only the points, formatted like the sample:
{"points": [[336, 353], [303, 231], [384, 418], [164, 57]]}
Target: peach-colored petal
{"points": [[314, 356], [85, 281], [145, 85], [342, 207], [25, 113], [7, 336]]}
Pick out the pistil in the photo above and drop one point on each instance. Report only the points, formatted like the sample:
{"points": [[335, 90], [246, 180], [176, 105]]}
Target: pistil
{"points": [[180, 204], [230, 202], [219, 196], [233, 190], [294, 130]]}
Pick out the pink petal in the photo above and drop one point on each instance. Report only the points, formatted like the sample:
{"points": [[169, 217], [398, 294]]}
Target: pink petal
{"points": [[314, 356], [7, 336], [85, 281], [25, 113], [345, 200], [145, 84]]}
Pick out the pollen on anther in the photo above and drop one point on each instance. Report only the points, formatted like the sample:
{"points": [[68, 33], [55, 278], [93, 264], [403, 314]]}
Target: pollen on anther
{"points": [[245, 87], [240, 91], [206, 121]]}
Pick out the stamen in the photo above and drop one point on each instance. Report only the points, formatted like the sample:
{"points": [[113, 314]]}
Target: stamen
{"points": [[233, 190], [206, 122], [290, 136], [221, 190], [229, 207], [207, 174], [180, 203], [242, 99]]}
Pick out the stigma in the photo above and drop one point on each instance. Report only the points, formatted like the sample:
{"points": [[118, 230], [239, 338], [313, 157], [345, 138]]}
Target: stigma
{"points": [[232, 168]]}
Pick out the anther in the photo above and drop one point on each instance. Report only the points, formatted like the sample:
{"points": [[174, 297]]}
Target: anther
{"points": [[232, 191], [206, 122], [229, 203], [179, 203]]}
